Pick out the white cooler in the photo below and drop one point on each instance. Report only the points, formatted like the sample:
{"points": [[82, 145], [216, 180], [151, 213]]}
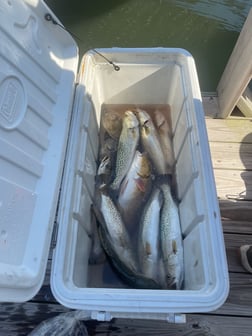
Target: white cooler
{"points": [[49, 126]]}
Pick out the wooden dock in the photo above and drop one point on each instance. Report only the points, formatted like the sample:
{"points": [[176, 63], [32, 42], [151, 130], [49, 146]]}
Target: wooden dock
{"points": [[231, 150]]}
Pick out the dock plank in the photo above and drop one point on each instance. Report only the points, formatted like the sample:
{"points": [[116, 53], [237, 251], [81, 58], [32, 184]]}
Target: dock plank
{"points": [[233, 184], [236, 210], [235, 226], [232, 244], [229, 130], [239, 299], [18, 319], [231, 155], [197, 325]]}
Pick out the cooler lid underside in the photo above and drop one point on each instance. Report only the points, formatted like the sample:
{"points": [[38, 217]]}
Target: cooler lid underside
{"points": [[38, 65]]}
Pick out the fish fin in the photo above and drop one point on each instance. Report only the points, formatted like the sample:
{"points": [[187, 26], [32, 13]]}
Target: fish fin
{"points": [[123, 186], [140, 184], [171, 282]]}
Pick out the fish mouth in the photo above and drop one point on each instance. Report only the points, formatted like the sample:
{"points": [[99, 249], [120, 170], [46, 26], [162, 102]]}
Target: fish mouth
{"points": [[129, 113]]}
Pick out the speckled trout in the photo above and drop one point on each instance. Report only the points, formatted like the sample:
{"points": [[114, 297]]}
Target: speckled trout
{"points": [[128, 142], [171, 240], [117, 233], [150, 141], [149, 236], [164, 134], [117, 245], [135, 190]]}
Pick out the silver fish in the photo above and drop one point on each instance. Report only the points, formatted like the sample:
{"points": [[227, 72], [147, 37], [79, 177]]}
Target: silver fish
{"points": [[150, 141], [149, 236], [164, 134], [135, 189], [171, 240], [128, 142], [132, 278], [117, 232], [96, 255]]}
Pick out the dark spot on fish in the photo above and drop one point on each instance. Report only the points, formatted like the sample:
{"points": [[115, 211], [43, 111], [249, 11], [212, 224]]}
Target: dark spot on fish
{"points": [[174, 246], [148, 248]]}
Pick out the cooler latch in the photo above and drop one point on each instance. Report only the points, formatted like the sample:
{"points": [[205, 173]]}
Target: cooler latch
{"points": [[176, 318], [101, 316]]}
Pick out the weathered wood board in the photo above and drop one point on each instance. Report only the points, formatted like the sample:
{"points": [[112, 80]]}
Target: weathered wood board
{"points": [[229, 130], [233, 184], [238, 71], [231, 155]]}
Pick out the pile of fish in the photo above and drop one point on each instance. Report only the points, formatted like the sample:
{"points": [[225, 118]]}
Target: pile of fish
{"points": [[139, 225]]}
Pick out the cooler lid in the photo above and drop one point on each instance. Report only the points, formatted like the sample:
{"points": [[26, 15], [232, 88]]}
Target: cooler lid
{"points": [[38, 66]]}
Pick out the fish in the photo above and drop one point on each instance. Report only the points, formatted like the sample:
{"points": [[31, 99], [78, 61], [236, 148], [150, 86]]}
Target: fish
{"points": [[164, 134], [96, 255], [149, 236], [135, 189], [171, 240], [116, 231], [106, 160], [127, 145], [125, 269], [112, 123], [132, 278], [150, 141]]}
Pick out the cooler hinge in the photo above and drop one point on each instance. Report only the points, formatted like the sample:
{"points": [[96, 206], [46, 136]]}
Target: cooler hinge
{"points": [[176, 318]]}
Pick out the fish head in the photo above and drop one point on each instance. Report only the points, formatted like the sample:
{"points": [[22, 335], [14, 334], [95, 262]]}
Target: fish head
{"points": [[158, 118], [146, 123], [130, 120], [112, 122], [142, 164], [143, 117], [161, 122]]}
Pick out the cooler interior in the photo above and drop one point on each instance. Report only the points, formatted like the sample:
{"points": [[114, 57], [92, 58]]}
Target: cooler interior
{"points": [[143, 79]]}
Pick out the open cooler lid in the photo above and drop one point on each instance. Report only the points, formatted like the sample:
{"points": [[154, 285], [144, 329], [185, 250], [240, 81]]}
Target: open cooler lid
{"points": [[38, 66]]}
